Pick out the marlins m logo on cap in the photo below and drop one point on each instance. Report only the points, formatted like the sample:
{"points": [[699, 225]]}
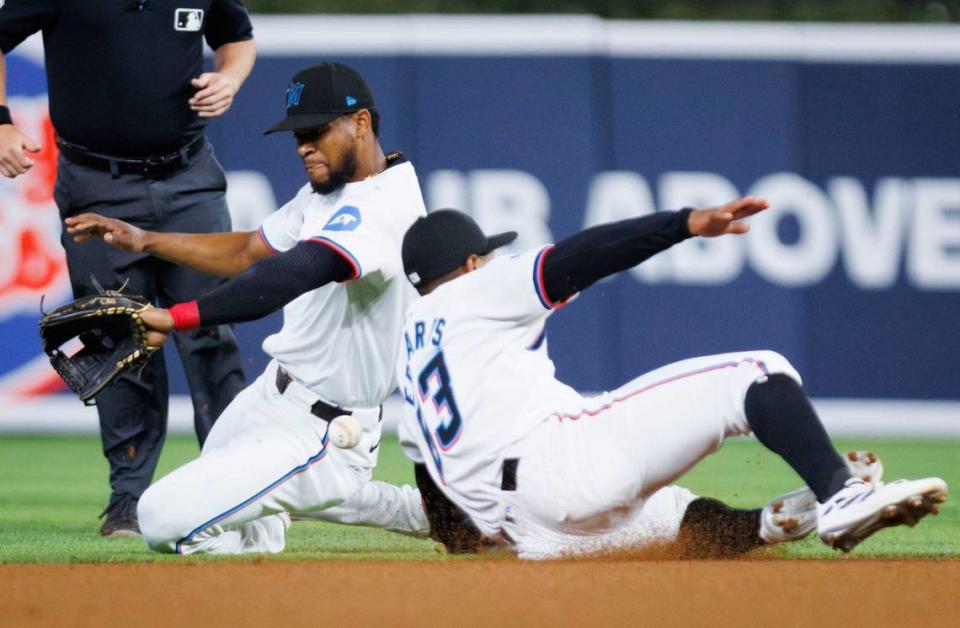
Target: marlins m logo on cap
{"points": [[320, 94], [294, 93]]}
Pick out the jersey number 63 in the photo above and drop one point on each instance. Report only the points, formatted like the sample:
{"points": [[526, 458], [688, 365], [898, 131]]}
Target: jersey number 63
{"points": [[435, 376]]}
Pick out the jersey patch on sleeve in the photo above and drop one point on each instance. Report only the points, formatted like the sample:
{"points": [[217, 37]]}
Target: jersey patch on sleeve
{"points": [[347, 218]]}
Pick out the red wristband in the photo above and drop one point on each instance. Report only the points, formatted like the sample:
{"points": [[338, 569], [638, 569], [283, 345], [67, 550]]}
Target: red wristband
{"points": [[185, 315]]}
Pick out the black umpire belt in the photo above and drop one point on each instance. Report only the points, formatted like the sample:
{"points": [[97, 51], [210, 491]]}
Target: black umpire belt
{"points": [[320, 409], [153, 167]]}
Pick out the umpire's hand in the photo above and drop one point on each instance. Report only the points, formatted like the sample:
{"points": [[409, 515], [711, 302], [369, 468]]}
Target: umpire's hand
{"points": [[14, 147], [216, 94]]}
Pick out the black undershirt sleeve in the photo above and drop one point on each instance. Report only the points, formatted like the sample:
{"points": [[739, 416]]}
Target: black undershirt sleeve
{"points": [[271, 283], [575, 263]]}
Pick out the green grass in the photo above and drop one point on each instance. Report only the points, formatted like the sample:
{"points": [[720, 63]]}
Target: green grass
{"points": [[52, 488]]}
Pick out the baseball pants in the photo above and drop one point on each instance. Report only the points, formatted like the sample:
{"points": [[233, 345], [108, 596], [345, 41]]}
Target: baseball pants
{"points": [[268, 455], [598, 476], [133, 411]]}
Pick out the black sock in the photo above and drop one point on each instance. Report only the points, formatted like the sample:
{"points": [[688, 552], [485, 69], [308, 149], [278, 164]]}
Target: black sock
{"points": [[783, 420], [711, 529]]}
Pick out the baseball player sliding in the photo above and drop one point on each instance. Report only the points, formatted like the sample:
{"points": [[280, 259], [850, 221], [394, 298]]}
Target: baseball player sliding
{"points": [[537, 466], [331, 258]]}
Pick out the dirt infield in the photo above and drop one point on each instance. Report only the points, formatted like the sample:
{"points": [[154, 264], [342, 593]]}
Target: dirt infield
{"points": [[475, 593]]}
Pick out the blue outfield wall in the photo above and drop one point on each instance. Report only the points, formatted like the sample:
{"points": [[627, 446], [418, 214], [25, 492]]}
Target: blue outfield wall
{"points": [[854, 275]]}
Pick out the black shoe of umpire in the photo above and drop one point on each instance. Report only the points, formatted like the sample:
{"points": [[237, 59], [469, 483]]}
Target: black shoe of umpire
{"points": [[121, 516]]}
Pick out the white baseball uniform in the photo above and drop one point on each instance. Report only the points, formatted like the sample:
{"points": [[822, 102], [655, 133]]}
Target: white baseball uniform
{"points": [[267, 454], [593, 473]]}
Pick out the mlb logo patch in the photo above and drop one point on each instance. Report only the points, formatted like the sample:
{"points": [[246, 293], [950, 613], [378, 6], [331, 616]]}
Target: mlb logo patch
{"points": [[189, 20]]}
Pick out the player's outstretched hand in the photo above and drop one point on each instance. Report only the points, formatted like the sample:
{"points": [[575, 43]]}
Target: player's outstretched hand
{"points": [[159, 325], [717, 221], [215, 95], [116, 233], [14, 147]]}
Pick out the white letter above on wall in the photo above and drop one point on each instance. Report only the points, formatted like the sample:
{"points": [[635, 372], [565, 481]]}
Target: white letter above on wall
{"points": [[806, 261], [511, 200], [621, 195], [702, 261], [934, 258], [499, 200], [250, 199], [872, 241]]}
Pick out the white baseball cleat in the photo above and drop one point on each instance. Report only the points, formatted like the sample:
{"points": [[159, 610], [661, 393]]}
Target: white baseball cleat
{"points": [[793, 516], [859, 509], [789, 517], [864, 465]]}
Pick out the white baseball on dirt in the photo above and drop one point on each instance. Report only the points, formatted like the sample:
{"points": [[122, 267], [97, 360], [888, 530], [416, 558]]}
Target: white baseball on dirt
{"points": [[345, 431]]}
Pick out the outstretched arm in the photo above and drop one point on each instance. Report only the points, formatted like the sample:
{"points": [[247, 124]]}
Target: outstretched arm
{"points": [[224, 254], [262, 289], [586, 257]]}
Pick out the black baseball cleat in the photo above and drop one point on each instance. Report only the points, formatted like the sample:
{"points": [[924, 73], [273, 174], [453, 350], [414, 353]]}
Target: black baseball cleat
{"points": [[121, 515]]}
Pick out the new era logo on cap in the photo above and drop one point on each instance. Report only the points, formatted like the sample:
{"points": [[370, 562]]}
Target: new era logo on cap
{"points": [[351, 101]]}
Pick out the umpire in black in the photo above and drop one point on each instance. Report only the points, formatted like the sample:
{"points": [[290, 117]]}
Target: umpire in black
{"points": [[129, 100]]}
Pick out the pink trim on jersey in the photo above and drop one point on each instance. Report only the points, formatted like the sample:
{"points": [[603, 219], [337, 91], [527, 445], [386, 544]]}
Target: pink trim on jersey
{"points": [[456, 440], [539, 285], [266, 242], [538, 278], [716, 367], [342, 252]]}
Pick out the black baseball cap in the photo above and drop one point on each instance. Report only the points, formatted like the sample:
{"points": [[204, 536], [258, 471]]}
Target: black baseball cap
{"points": [[321, 94], [442, 241]]}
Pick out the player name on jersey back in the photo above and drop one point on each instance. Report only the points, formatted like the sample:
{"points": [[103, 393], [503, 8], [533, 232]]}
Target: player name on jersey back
{"points": [[481, 332]]}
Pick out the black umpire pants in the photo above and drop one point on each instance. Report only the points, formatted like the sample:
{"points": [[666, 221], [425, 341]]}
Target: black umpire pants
{"points": [[133, 412]]}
